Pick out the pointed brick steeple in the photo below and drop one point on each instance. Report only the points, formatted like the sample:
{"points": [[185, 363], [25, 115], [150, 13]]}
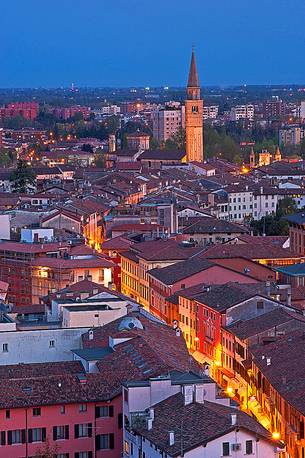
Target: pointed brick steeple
{"points": [[193, 80]]}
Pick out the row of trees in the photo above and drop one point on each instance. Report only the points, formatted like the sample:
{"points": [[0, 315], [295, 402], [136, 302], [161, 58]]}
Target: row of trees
{"points": [[276, 224]]}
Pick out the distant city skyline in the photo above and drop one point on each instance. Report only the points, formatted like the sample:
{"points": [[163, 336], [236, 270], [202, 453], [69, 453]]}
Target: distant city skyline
{"points": [[148, 43]]}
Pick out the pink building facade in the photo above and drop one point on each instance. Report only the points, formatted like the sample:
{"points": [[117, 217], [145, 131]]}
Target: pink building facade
{"points": [[81, 430]]}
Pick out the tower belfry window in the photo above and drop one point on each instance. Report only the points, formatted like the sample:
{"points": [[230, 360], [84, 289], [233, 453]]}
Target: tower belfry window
{"points": [[194, 109]]}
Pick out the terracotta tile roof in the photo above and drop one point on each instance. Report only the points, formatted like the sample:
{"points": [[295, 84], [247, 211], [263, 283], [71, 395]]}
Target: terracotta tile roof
{"points": [[285, 374], [170, 249], [20, 247], [81, 250], [176, 272], [250, 251], [222, 297], [152, 351], [201, 423], [257, 325], [204, 225], [117, 243], [65, 263], [162, 155]]}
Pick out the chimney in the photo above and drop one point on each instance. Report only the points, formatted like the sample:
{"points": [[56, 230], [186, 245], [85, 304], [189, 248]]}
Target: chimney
{"points": [[200, 393], [171, 438], [149, 424], [188, 394], [288, 296], [233, 419], [111, 144], [268, 288]]}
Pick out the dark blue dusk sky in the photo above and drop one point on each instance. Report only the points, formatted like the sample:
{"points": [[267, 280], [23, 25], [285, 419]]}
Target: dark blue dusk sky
{"points": [[50, 43]]}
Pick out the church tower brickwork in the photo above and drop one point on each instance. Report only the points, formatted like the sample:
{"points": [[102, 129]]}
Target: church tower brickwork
{"points": [[194, 116]]}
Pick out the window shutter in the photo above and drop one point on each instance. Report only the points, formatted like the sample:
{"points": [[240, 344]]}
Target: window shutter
{"points": [[54, 433], [2, 437], [111, 441], [97, 412], [90, 455], [89, 429], [30, 434], [97, 442], [67, 432], [76, 431], [23, 436], [120, 421], [76, 455], [110, 411], [9, 437], [44, 434]]}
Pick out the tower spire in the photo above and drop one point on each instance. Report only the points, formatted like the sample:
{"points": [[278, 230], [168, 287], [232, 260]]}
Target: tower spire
{"points": [[193, 80]]}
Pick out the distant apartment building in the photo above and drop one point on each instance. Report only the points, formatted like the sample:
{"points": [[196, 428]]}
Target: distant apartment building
{"points": [[69, 112], [28, 110], [291, 135], [273, 109], [138, 140], [111, 110], [302, 110], [242, 112], [210, 112], [33, 270], [167, 122]]}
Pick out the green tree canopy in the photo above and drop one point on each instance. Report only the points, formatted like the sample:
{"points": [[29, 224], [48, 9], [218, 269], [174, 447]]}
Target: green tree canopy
{"points": [[23, 178]]}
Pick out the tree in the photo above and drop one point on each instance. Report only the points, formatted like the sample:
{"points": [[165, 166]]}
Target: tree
{"points": [[276, 224], [23, 177], [302, 148], [100, 160], [7, 157], [87, 148], [286, 206], [47, 450], [153, 143]]}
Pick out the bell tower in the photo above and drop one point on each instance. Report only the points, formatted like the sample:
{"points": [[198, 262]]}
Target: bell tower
{"points": [[194, 116]]}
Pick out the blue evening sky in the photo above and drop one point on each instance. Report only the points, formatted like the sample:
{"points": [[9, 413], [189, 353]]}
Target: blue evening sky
{"points": [[51, 43]]}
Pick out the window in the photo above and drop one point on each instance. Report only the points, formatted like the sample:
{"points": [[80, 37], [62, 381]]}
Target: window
{"points": [[260, 305], [36, 412], [83, 407], [60, 432], [226, 449], [249, 447], [5, 348], [104, 411], [104, 441], [83, 430], [7, 414], [83, 455], [52, 343], [62, 409], [16, 436], [36, 435], [126, 447]]}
